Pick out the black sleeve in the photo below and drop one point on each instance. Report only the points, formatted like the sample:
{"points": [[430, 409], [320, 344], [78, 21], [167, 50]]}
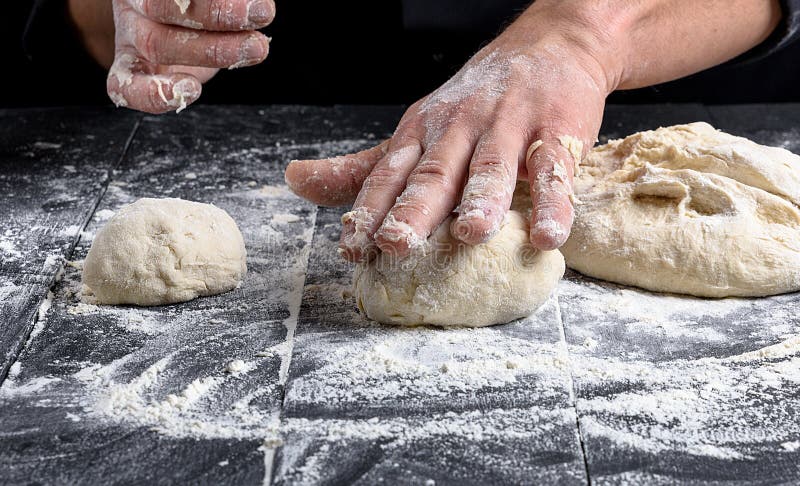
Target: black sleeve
{"points": [[791, 24], [47, 57]]}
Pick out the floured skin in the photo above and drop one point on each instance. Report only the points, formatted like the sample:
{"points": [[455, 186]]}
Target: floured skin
{"points": [[689, 209]]}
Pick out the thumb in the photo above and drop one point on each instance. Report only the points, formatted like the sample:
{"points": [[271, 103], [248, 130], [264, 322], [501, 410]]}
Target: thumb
{"points": [[131, 83], [335, 181]]}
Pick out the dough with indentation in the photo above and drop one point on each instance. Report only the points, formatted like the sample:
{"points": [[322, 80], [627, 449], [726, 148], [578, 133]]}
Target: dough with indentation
{"points": [[162, 251], [447, 283], [689, 209]]}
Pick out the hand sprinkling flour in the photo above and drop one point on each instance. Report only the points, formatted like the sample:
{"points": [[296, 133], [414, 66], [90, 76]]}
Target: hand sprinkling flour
{"points": [[165, 49]]}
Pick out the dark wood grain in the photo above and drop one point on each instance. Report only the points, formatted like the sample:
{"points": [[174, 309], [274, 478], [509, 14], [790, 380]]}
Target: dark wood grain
{"points": [[604, 382], [364, 403], [656, 376], [619, 121], [54, 165], [776, 125]]}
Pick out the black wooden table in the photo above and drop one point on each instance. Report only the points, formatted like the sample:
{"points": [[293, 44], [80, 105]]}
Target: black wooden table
{"points": [[281, 381]]}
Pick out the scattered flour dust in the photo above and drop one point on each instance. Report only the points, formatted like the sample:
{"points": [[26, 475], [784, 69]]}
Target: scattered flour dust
{"points": [[103, 215], [7, 290], [672, 406], [283, 218], [189, 412], [183, 5], [8, 250], [666, 403], [629, 396]]}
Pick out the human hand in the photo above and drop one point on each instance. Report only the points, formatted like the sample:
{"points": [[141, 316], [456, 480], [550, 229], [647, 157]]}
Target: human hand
{"points": [[166, 49], [525, 106]]}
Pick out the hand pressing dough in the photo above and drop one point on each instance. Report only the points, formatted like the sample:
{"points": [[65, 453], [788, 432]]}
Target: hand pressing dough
{"points": [[162, 251], [689, 209], [448, 283]]}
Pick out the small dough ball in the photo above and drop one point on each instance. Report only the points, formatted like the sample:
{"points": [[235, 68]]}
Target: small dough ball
{"points": [[689, 209], [162, 251], [449, 283]]}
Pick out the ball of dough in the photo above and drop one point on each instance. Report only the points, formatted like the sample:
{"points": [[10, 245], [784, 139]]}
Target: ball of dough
{"points": [[162, 251], [689, 209], [448, 283]]}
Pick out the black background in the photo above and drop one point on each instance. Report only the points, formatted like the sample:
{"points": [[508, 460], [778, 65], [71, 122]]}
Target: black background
{"points": [[347, 52]]}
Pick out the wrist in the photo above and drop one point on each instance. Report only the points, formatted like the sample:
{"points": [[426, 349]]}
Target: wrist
{"points": [[638, 44], [594, 33]]}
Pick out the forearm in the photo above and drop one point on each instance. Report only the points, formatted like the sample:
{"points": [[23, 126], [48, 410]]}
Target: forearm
{"points": [[641, 43], [94, 22]]}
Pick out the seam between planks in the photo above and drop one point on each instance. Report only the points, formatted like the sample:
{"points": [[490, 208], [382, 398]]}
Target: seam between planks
{"points": [[573, 395], [291, 323], [25, 337]]}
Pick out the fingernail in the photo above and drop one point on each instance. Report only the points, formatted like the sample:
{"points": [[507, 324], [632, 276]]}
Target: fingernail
{"points": [[184, 93], [260, 12], [397, 237], [460, 228], [474, 227], [548, 234], [252, 51]]}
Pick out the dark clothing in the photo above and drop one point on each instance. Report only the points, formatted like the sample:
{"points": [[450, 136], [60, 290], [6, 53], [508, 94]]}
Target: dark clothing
{"points": [[362, 51]]}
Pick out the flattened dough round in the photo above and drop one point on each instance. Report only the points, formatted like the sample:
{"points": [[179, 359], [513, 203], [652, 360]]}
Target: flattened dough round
{"points": [[689, 209], [448, 283], [162, 251]]}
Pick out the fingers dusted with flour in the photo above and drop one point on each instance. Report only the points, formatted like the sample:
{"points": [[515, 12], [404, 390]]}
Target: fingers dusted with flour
{"points": [[150, 91], [378, 194], [431, 192], [490, 185], [166, 49], [219, 15], [551, 166]]}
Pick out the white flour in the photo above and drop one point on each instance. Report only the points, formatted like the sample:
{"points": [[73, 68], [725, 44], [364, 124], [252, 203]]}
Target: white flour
{"points": [[8, 250], [677, 403], [652, 373]]}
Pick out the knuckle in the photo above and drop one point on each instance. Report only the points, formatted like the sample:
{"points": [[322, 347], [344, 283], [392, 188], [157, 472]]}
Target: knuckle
{"points": [[545, 159], [493, 164], [380, 177], [409, 123], [147, 7], [154, 9], [431, 171], [216, 9], [148, 42], [152, 45]]}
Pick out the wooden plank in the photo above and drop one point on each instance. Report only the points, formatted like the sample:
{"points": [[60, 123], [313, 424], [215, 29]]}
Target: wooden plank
{"points": [[669, 392], [152, 386], [54, 165], [619, 121], [20, 299], [680, 390], [367, 403], [776, 125]]}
